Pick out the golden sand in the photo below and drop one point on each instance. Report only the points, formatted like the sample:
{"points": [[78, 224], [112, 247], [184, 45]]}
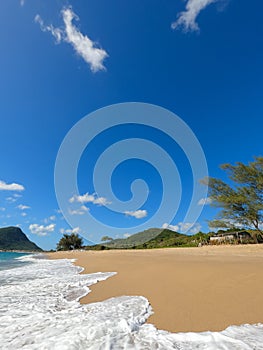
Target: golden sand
{"points": [[190, 289]]}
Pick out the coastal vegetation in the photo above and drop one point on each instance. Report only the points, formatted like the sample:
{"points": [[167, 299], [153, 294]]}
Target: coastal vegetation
{"points": [[70, 242], [241, 199], [165, 238]]}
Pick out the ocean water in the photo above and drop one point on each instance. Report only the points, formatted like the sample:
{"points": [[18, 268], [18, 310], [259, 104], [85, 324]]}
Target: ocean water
{"points": [[9, 260], [40, 309]]}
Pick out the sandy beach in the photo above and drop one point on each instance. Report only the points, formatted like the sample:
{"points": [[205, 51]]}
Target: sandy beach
{"points": [[190, 289]]}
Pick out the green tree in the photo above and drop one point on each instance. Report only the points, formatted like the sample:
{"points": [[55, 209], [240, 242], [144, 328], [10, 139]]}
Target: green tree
{"points": [[201, 237], [70, 242], [241, 200]]}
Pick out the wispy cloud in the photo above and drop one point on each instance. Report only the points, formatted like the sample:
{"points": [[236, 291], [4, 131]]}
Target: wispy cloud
{"points": [[187, 19], [138, 214], [22, 2], [10, 187], [82, 44], [184, 227], [89, 198], [50, 218], [205, 201], [80, 211], [56, 32], [23, 207], [41, 230], [2, 209], [11, 199]]}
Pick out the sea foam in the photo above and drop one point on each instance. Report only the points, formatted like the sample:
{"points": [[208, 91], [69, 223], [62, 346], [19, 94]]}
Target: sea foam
{"points": [[40, 309]]}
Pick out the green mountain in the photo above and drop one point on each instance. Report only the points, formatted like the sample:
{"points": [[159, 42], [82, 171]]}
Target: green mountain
{"points": [[153, 238], [135, 239], [168, 238], [12, 238]]}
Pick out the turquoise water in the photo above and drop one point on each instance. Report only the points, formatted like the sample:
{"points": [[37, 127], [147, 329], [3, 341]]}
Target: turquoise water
{"points": [[9, 260]]}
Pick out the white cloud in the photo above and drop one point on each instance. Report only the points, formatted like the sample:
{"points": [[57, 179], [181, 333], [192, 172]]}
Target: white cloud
{"points": [[2, 209], [10, 187], [126, 235], [22, 2], [101, 201], [23, 207], [85, 198], [23, 214], [80, 211], [41, 230], [205, 201], [11, 199], [89, 198], [75, 230], [56, 32], [187, 18], [184, 227], [82, 44], [50, 218], [138, 214], [174, 228]]}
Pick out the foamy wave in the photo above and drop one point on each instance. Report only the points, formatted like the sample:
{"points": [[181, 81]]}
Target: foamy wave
{"points": [[40, 310]]}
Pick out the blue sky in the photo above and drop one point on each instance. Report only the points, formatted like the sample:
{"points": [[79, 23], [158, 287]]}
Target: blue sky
{"points": [[61, 60]]}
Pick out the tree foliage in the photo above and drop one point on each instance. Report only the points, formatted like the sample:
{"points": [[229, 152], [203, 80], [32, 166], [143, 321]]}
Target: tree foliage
{"points": [[70, 242], [242, 200], [201, 237]]}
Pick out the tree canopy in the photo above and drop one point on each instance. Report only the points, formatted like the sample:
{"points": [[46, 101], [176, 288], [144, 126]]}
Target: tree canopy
{"points": [[70, 242], [241, 200]]}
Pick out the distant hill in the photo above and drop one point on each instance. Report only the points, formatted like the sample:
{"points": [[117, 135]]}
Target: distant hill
{"points": [[135, 239], [13, 238], [151, 238], [168, 238]]}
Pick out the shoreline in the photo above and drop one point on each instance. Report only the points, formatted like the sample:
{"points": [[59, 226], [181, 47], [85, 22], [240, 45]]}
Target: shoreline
{"points": [[189, 289]]}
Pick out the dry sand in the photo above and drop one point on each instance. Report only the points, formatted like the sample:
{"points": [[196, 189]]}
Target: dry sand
{"points": [[190, 289]]}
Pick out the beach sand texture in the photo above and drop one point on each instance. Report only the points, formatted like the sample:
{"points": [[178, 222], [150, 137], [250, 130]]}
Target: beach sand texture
{"points": [[190, 289]]}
